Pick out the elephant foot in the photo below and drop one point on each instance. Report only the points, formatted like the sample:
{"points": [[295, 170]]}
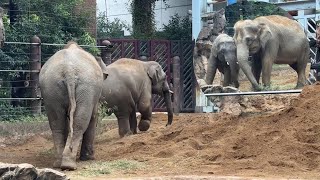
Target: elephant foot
{"points": [[144, 125], [57, 164], [68, 164], [86, 157], [123, 134]]}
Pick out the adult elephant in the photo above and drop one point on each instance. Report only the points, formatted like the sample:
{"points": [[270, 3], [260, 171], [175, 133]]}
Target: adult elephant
{"points": [[271, 39], [130, 86], [71, 84], [223, 57], [2, 33]]}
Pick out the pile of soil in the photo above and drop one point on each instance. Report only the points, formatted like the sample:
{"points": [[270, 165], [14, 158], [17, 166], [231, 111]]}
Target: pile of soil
{"points": [[283, 144]]}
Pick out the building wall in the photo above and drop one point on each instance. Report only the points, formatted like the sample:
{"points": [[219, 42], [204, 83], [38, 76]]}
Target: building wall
{"points": [[121, 9]]}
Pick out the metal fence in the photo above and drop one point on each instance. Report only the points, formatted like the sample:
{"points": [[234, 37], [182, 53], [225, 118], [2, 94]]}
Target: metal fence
{"points": [[163, 52], [21, 63]]}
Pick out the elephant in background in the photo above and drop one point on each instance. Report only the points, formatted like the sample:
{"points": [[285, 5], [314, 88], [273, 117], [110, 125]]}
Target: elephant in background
{"points": [[271, 39], [71, 84], [129, 87], [223, 57], [215, 24], [2, 33]]}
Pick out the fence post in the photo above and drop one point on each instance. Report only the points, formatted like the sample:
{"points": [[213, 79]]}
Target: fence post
{"points": [[35, 57], [176, 84], [106, 52]]}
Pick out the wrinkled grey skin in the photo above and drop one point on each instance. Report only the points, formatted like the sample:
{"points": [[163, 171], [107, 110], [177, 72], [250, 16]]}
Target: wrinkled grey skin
{"points": [[71, 84], [223, 57], [130, 86], [271, 39], [2, 33]]}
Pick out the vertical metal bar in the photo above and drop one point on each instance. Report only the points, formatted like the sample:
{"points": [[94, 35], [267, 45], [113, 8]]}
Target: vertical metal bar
{"points": [[35, 57]]}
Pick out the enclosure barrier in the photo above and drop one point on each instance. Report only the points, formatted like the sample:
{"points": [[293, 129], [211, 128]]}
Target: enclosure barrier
{"points": [[19, 71], [206, 107]]}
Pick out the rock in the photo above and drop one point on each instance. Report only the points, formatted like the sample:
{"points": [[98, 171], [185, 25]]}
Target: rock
{"points": [[4, 167], [50, 174], [28, 172], [25, 172], [227, 104]]}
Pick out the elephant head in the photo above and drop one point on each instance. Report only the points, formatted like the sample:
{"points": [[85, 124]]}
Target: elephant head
{"points": [[2, 34], [160, 85], [250, 37], [223, 52]]}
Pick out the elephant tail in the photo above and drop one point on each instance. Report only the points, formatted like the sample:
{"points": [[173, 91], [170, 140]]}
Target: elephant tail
{"points": [[72, 106]]}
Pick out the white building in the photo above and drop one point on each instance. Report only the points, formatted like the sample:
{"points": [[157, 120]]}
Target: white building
{"points": [[121, 9]]}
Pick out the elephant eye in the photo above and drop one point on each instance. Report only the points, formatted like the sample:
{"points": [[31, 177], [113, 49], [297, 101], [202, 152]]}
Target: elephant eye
{"points": [[249, 40]]}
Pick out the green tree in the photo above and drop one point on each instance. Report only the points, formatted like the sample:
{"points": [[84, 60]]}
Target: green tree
{"points": [[110, 29], [250, 10], [178, 28], [143, 22], [55, 22]]}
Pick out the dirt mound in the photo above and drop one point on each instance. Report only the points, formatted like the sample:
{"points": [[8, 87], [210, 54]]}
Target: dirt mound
{"points": [[286, 143]]}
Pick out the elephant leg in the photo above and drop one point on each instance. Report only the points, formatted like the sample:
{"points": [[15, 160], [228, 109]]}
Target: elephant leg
{"points": [[301, 71], [267, 63], [80, 125], [57, 121], [87, 150], [145, 109], [256, 66], [133, 122], [123, 123], [227, 77]]}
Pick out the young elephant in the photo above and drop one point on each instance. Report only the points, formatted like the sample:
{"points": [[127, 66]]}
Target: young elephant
{"points": [[130, 85], [223, 57], [71, 84]]}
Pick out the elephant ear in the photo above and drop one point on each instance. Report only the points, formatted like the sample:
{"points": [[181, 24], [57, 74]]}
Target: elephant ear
{"points": [[154, 72], [264, 34], [102, 66]]}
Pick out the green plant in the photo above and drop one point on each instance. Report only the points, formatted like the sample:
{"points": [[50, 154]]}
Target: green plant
{"points": [[55, 22], [143, 22], [110, 29], [100, 168], [178, 28]]}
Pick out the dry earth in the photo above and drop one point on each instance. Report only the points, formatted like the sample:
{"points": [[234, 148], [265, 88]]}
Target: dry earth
{"points": [[276, 137]]}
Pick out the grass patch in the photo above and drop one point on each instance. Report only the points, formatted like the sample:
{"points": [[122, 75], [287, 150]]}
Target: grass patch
{"points": [[102, 168]]}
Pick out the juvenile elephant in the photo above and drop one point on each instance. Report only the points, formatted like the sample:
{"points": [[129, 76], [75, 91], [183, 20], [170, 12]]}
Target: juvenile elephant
{"points": [[130, 86], [223, 57], [71, 84], [271, 39]]}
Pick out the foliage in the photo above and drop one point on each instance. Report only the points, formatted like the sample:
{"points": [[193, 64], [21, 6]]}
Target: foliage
{"points": [[178, 28], [250, 10], [143, 22], [110, 29], [54, 22]]}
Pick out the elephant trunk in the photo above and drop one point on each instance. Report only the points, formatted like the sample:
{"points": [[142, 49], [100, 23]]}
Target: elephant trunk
{"points": [[168, 102], [231, 59], [243, 59], [211, 70]]}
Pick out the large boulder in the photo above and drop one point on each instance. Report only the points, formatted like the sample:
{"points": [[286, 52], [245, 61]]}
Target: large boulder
{"points": [[28, 172]]}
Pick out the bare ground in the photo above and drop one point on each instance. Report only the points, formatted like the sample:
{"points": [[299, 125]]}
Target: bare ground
{"points": [[276, 137]]}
